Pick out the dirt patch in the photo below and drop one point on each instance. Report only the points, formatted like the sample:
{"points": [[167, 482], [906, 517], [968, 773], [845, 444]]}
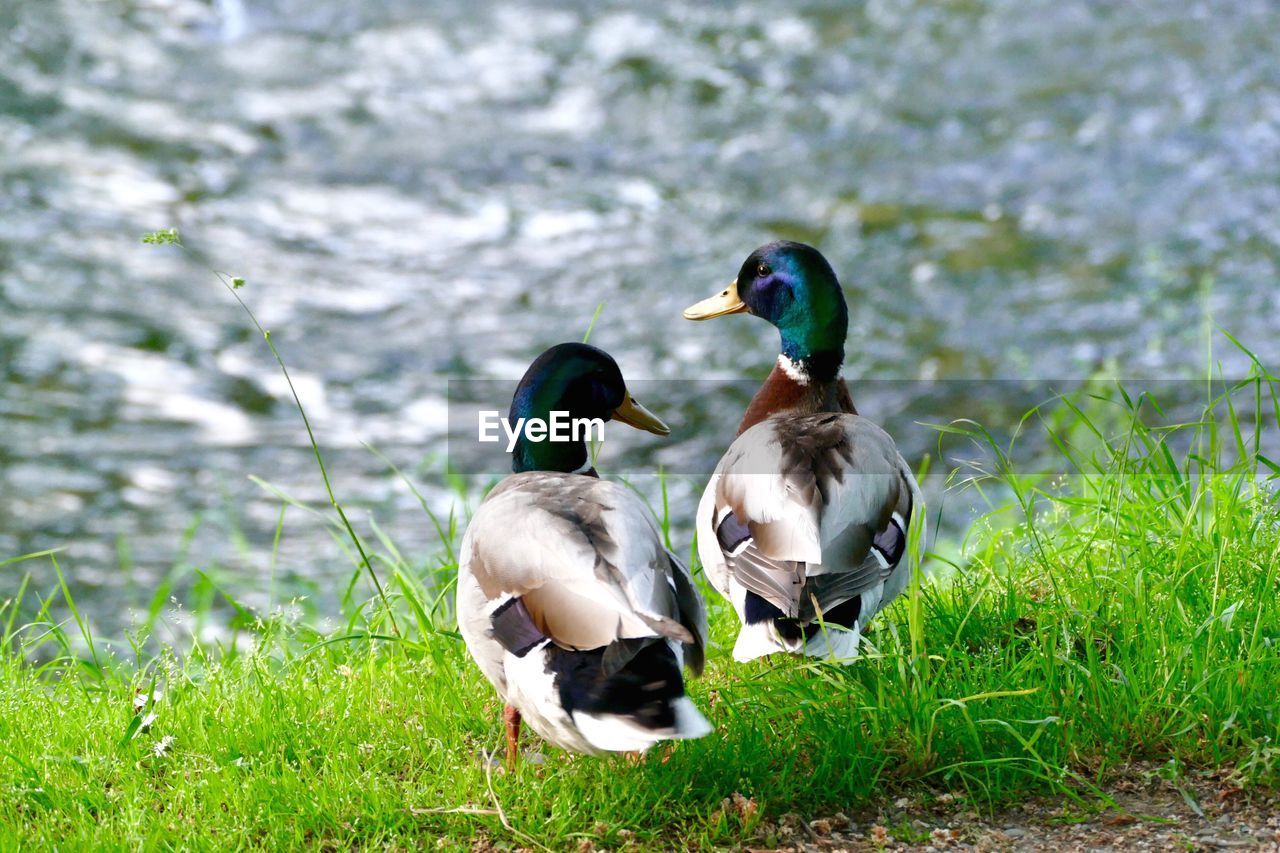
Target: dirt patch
{"points": [[1149, 813]]}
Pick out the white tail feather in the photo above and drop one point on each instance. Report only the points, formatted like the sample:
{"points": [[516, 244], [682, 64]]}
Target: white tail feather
{"points": [[617, 733], [835, 643], [758, 640], [689, 720]]}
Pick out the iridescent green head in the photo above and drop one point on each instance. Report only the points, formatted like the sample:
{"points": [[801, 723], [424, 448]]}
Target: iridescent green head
{"points": [[584, 383], [793, 287]]}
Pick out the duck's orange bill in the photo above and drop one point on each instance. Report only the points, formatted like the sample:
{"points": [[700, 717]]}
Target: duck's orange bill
{"points": [[725, 302], [633, 414]]}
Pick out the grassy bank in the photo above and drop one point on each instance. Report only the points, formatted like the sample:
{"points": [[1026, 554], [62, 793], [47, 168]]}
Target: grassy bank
{"points": [[1123, 608]]}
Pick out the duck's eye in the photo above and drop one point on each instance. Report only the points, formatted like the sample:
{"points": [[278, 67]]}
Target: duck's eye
{"points": [[763, 270]]}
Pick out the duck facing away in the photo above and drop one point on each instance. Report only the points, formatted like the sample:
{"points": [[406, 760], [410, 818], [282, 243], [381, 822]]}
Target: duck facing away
{"points": [[803, 526], [567, 599]]}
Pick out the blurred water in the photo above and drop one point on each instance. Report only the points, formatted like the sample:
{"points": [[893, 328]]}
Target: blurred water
{"points": [[417, 192]]}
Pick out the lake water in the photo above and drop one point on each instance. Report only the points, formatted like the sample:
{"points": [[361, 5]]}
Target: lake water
{"points": [[421, 192]]}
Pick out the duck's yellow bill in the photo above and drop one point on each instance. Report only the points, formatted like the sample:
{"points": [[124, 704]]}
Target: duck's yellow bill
{"points": [[725, 302], [633, 414]]}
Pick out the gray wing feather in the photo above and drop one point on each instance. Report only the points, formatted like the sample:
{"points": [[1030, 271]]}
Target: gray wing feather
{"points": [[779, 582], [586, 561], [693, 615], [830, 463]]}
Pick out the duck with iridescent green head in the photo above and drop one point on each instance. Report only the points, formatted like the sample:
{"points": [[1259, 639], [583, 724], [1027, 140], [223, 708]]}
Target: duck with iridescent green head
{"points": [[567, 598], [803, 525]]}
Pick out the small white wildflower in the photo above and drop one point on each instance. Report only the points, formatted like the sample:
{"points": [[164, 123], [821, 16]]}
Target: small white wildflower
{"points": [[345, 671], [146, 722], [162, 746], [140, 699]]}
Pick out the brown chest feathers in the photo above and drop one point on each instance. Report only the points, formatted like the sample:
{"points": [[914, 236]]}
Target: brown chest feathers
{"points": [[782, 394]]}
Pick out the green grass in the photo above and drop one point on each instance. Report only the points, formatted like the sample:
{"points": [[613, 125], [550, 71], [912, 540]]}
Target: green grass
{"points": [[1122, 609], [1127, 612]]}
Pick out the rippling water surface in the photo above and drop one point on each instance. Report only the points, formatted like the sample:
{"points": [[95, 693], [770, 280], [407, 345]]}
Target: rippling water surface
{"points": [[418, 192]]}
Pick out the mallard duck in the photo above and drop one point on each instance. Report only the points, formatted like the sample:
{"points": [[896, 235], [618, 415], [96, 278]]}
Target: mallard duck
{"points": [[803, 526], [567, 598]]}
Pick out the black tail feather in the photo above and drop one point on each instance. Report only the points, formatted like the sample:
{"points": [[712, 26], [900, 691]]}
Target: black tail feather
{"points": [[642, 688], [792, 630]]}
